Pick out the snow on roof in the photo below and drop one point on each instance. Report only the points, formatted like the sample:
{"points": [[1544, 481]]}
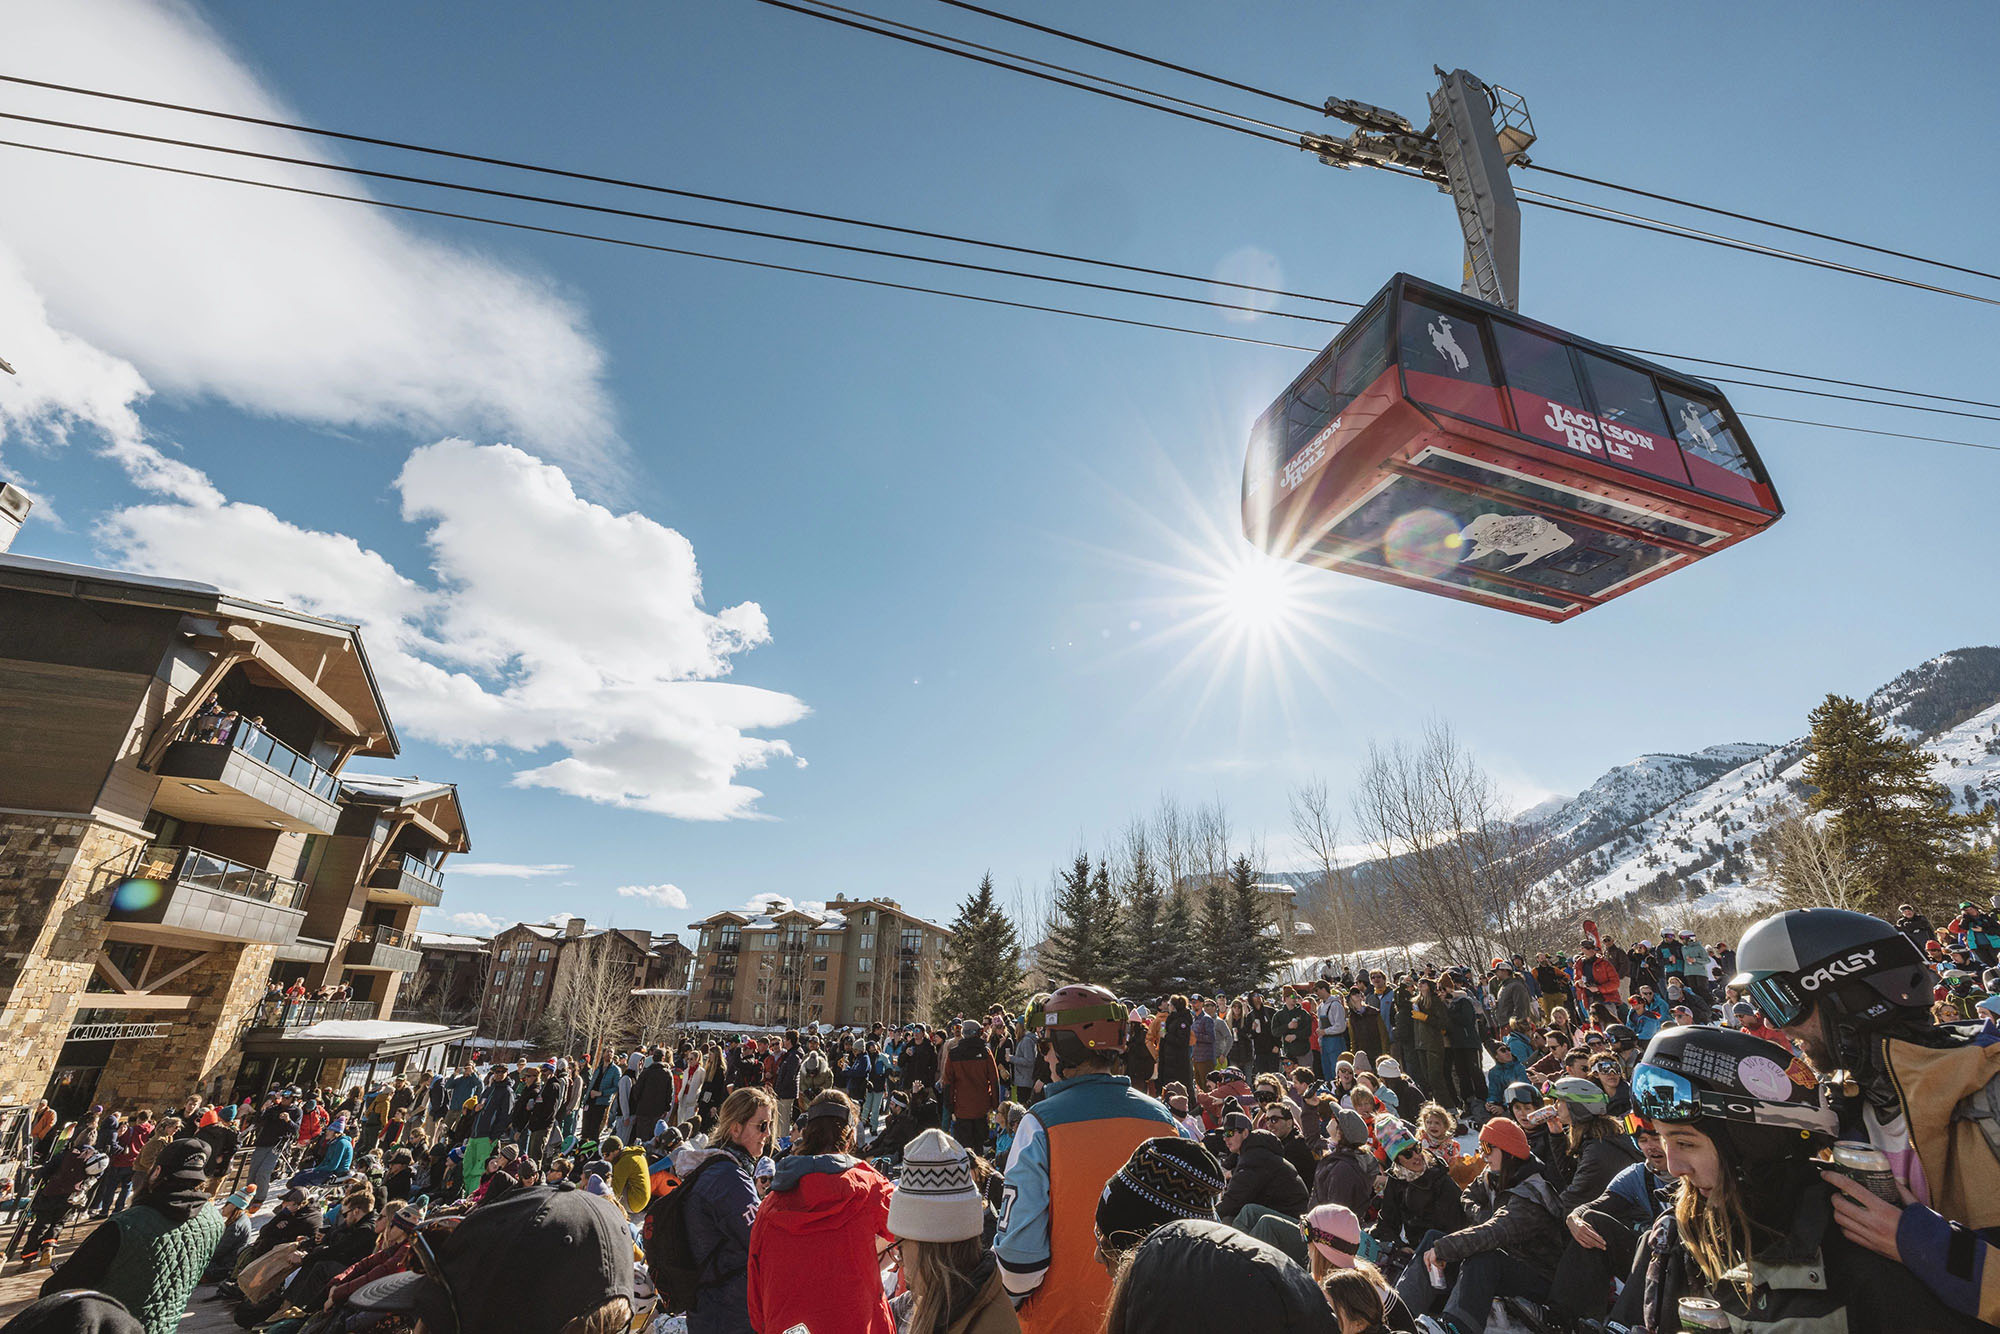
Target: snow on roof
{"points": [[763, 910], [1271, 887], [447, 940], [363, 1030], [399, 790]]}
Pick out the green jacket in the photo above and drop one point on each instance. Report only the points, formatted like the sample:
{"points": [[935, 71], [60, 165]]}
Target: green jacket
{"points": [[159, 1262]]}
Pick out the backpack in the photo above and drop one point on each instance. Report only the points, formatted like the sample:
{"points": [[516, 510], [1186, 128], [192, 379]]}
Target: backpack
{"points": [[676, 1271]]}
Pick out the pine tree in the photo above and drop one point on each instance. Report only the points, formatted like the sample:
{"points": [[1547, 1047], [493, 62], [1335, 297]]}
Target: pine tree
{"points": [[1179, 948], [1081, 936], [1896, 821], [1255, 950], [1144, 955], [1217, 955], [982, 964]]}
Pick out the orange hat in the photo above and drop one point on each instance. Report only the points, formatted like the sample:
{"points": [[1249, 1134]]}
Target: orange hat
{"points": [[1506, 1135]]}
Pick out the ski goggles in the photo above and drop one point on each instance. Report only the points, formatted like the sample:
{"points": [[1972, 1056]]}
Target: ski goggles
{"points": [[1780, 1002], [1659, 1094]]}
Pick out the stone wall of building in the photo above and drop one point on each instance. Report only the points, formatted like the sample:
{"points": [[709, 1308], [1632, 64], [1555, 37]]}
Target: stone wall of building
{"points": [[202, 1049], [55, 874]]}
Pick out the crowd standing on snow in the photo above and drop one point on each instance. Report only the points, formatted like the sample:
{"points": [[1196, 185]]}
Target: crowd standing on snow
{"points": [[1800, 1134]]}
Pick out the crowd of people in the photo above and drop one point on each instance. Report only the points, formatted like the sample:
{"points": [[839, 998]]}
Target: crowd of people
{"points": [[1800, 1134]]}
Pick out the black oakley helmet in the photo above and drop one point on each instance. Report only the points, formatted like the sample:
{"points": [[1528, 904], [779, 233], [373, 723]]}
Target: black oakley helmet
{"points": [[1697, 1074], [1862, 968]]}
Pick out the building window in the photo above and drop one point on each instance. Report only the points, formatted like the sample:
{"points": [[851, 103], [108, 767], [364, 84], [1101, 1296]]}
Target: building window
{"points": [[821, 940], [756, 1014], [541, 956], [818, 989], [913, 940], [864, 988], [864, 964], [861, 1014], [538, 977], [867, 940], [500, 979], [819, 963], [868, 918]]}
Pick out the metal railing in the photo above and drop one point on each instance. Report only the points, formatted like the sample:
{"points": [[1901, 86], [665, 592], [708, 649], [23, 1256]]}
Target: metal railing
{"points": [[421, 869], [242, 734], [301, 1013], [205, 870], [382, 935]]}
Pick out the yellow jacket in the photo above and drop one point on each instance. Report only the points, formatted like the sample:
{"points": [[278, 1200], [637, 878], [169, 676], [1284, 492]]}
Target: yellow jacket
{"points": [[631, 1180]]}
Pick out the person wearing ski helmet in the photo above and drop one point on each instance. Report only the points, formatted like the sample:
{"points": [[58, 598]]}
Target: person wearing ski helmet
{"points": [[1067, 1147], [1855, 996], [1752, 1224], [1596, 1147]]}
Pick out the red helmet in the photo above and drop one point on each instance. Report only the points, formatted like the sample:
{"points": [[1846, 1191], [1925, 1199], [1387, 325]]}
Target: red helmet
{"points": [[1082, 1019]]}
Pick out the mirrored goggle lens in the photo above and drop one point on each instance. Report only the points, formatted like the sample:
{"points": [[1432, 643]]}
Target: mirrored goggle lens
{"points": [[1781, 1005], [1662, 1095]]}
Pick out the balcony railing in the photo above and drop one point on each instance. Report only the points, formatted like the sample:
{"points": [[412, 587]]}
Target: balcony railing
{"points": [[421, 869], [205, 870], [382, 935], [246, 736], [301, 1014]]}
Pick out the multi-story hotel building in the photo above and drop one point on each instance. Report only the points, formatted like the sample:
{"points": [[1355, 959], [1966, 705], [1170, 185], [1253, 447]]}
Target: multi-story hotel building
{"points": [[776, 963], [178, 826]]}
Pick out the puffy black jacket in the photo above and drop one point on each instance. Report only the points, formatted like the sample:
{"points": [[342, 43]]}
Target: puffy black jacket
{"points": [[1263, 1176], [1527, 1223], [1596, 1163], [1298, 1151], [1197, 1274], [1412, 1208], [652, 1095], [1346, 1176]]}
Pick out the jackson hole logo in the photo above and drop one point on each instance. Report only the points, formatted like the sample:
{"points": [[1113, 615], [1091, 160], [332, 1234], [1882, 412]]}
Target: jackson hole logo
{"points": [[1528, 536], [1446, 345], [1303, 462]]}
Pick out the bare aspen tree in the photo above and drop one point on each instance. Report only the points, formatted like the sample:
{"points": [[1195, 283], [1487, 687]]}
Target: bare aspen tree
{"points": [[657, 1018], [592, 1000], [1328, 907], [1812, 864]]}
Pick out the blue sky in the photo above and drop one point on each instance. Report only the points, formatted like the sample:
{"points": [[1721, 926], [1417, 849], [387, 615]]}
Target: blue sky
{"points": [[953, 517]]}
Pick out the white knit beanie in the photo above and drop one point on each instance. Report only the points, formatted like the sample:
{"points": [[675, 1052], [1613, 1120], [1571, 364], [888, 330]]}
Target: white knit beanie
{"points": [[936, 1199]]}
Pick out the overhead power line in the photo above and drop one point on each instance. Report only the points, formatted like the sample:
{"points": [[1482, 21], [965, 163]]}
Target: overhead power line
{"points": [[770, 266], [1751, 217], [655, 187], [878, 252], [656, 248], [1313, 107], [827, 17], [1558, 203], [640, 215]]}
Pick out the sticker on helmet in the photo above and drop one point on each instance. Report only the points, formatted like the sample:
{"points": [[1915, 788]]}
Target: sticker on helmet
{"points": [[1764, 1077]]}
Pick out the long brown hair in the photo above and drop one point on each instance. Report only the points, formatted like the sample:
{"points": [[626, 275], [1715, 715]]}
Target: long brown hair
{"points": [[1716, 1229], [940, 1277]]}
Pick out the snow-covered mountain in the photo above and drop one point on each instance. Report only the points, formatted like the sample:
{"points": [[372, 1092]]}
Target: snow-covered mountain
{"points": [[1662, 826]]}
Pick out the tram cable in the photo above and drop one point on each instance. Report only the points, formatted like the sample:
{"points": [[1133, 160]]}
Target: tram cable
{"points": [[1542, 199], [878, 252], [656, 188], [629, 243], [771, 266], [640, 215], [1287, 100]]}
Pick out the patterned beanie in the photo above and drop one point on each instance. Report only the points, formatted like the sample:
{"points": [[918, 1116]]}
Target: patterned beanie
{"points": [[936, 1198], [1165, 1179]]}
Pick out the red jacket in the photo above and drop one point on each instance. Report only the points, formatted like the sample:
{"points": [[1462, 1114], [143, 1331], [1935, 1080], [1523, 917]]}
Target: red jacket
{"points": [[812, 1249], [972, 1078]]}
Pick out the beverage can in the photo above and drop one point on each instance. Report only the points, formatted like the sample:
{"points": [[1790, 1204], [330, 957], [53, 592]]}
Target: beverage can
{"points": [[1701, 1313], [1868, 1167]]}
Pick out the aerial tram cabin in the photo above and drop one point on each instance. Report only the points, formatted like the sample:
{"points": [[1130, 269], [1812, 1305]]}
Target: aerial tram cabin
{"points": [[1451, 446]]}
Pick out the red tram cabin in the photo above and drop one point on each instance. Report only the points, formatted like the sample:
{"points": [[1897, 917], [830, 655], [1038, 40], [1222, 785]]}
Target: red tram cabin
{"points": [[1453, 447]]}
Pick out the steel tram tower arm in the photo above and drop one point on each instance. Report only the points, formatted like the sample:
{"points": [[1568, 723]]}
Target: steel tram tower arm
{"points": [[1476, 132]]}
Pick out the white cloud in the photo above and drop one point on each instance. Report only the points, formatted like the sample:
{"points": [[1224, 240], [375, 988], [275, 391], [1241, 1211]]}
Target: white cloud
{"points": [[476, 923], [280, 304], [558, 918], [665, 896], [551, 626], [507, 870]]}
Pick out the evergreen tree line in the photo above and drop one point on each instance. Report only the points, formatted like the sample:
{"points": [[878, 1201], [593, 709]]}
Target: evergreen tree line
{"points": [[1132, 932]]}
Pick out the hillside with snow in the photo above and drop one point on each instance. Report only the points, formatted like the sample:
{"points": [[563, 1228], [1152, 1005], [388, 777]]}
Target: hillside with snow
{"points": [[1669, 828]]}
